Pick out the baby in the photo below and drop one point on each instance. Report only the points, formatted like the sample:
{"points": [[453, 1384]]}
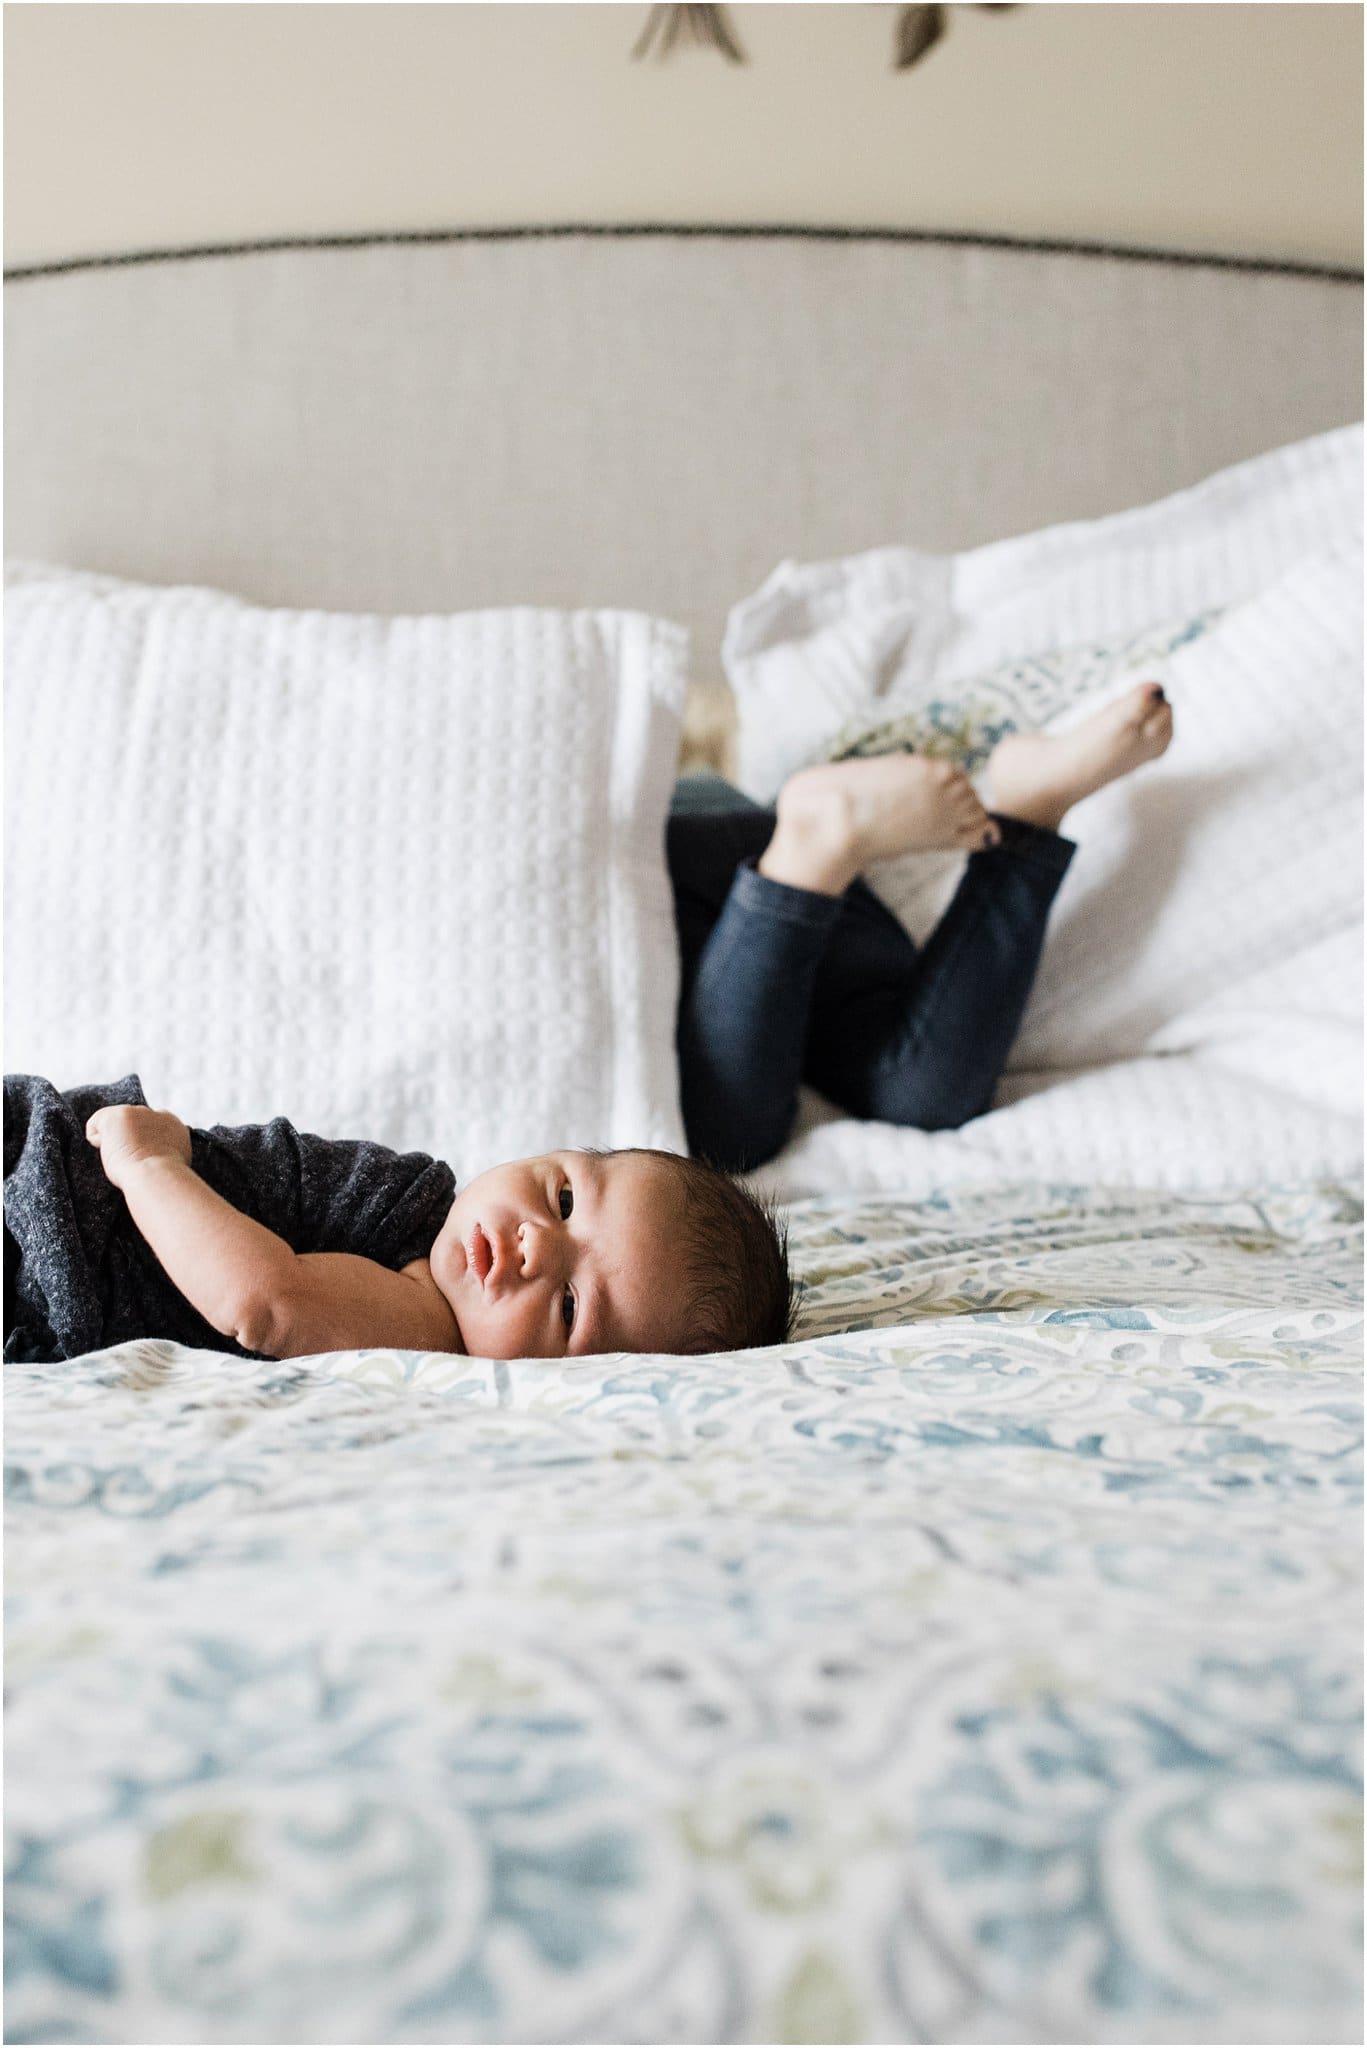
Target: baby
{"points": [[121, 1222]]}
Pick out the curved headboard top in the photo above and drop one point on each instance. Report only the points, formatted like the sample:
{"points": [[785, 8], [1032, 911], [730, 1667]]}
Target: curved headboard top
{"points": [[650, 419]]}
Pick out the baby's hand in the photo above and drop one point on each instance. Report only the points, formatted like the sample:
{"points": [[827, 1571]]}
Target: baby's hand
{"points": [[126, 1134]]}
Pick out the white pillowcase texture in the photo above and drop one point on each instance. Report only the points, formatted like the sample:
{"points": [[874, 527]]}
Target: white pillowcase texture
{"points": [[395, 878], [824, 643], [1229, 862], [1215, 895]]}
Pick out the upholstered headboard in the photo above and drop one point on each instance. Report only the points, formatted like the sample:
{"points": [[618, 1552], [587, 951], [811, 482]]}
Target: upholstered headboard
{"points": [[649, 418]]}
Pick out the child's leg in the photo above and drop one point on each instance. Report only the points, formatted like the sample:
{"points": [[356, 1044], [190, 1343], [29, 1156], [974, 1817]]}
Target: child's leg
{"points": [[749, 950], [757, 895], [793, 970], [921, 1037]]}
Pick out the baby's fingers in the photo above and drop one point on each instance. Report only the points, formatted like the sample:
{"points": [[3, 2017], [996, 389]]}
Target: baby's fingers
{"points": [[93, 1127]]}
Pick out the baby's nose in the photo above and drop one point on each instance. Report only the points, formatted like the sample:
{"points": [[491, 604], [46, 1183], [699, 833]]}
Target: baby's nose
{"points": [[531, 1250]]}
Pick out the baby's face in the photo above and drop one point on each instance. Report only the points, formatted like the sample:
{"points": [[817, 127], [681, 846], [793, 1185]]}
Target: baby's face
{"points": [[562, 1256]]}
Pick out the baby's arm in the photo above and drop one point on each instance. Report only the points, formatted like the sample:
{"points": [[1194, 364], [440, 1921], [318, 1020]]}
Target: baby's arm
{"points": [[244, 1279]]}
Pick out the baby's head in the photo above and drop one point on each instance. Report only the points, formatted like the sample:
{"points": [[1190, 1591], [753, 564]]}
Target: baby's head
{"points": [[582, 1252]]}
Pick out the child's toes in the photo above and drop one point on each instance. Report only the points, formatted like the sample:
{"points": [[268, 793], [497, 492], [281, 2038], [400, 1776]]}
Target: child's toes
{"points": [[978, 830], [1136, 705]]}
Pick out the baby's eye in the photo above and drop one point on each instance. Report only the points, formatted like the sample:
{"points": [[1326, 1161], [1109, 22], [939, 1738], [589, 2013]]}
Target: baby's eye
{"points": [[566, 1204], [567, 1308]]}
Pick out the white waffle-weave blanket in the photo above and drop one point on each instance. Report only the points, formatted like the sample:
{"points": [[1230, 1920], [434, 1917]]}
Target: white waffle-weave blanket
{"points": [[1196, 1020]]}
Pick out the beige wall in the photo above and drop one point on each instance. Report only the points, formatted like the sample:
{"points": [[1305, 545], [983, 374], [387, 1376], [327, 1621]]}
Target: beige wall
{"points": [[1233, 129]]}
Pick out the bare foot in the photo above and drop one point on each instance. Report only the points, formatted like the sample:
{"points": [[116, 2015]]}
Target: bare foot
{"points": [[834, 819], [1038, 777]]}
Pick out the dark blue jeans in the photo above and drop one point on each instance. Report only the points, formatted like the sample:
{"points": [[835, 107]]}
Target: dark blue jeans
{"points": [[783, 985]]}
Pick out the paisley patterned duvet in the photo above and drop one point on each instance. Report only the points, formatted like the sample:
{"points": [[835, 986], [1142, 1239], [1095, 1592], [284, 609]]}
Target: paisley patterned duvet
{"points": [[982, 1666]]}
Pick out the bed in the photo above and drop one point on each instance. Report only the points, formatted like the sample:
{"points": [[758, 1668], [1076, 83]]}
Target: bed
{"points": [[982, 1665]]}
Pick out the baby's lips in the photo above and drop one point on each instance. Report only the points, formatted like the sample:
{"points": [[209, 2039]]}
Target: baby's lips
{"points": [[479, 1254]]}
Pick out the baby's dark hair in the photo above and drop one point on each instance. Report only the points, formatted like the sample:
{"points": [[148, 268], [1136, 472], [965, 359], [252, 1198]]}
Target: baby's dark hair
{"points": [[733, 1255]]}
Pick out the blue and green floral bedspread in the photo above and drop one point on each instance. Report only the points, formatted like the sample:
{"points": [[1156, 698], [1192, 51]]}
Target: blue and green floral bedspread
{"points": [[982, 1666]]}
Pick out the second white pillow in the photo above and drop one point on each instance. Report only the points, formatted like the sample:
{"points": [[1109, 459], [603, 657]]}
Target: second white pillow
{"points": [[1216, 894]]}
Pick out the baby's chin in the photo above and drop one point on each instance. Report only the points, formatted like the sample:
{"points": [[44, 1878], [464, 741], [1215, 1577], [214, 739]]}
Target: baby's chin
{"points": [[475, 1341], [485, 1333], [478, 1334]]}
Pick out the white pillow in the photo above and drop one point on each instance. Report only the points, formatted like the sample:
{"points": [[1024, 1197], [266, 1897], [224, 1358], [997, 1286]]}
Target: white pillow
{"points": [[822, 643], [395, 878], [1199, 910]]}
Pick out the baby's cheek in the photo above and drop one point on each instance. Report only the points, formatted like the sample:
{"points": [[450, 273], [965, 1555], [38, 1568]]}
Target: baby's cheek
{"points": [[532, 1335]]}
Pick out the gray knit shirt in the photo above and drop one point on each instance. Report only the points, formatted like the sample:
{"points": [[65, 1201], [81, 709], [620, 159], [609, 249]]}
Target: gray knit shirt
{"points": [[78, 1273]]}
